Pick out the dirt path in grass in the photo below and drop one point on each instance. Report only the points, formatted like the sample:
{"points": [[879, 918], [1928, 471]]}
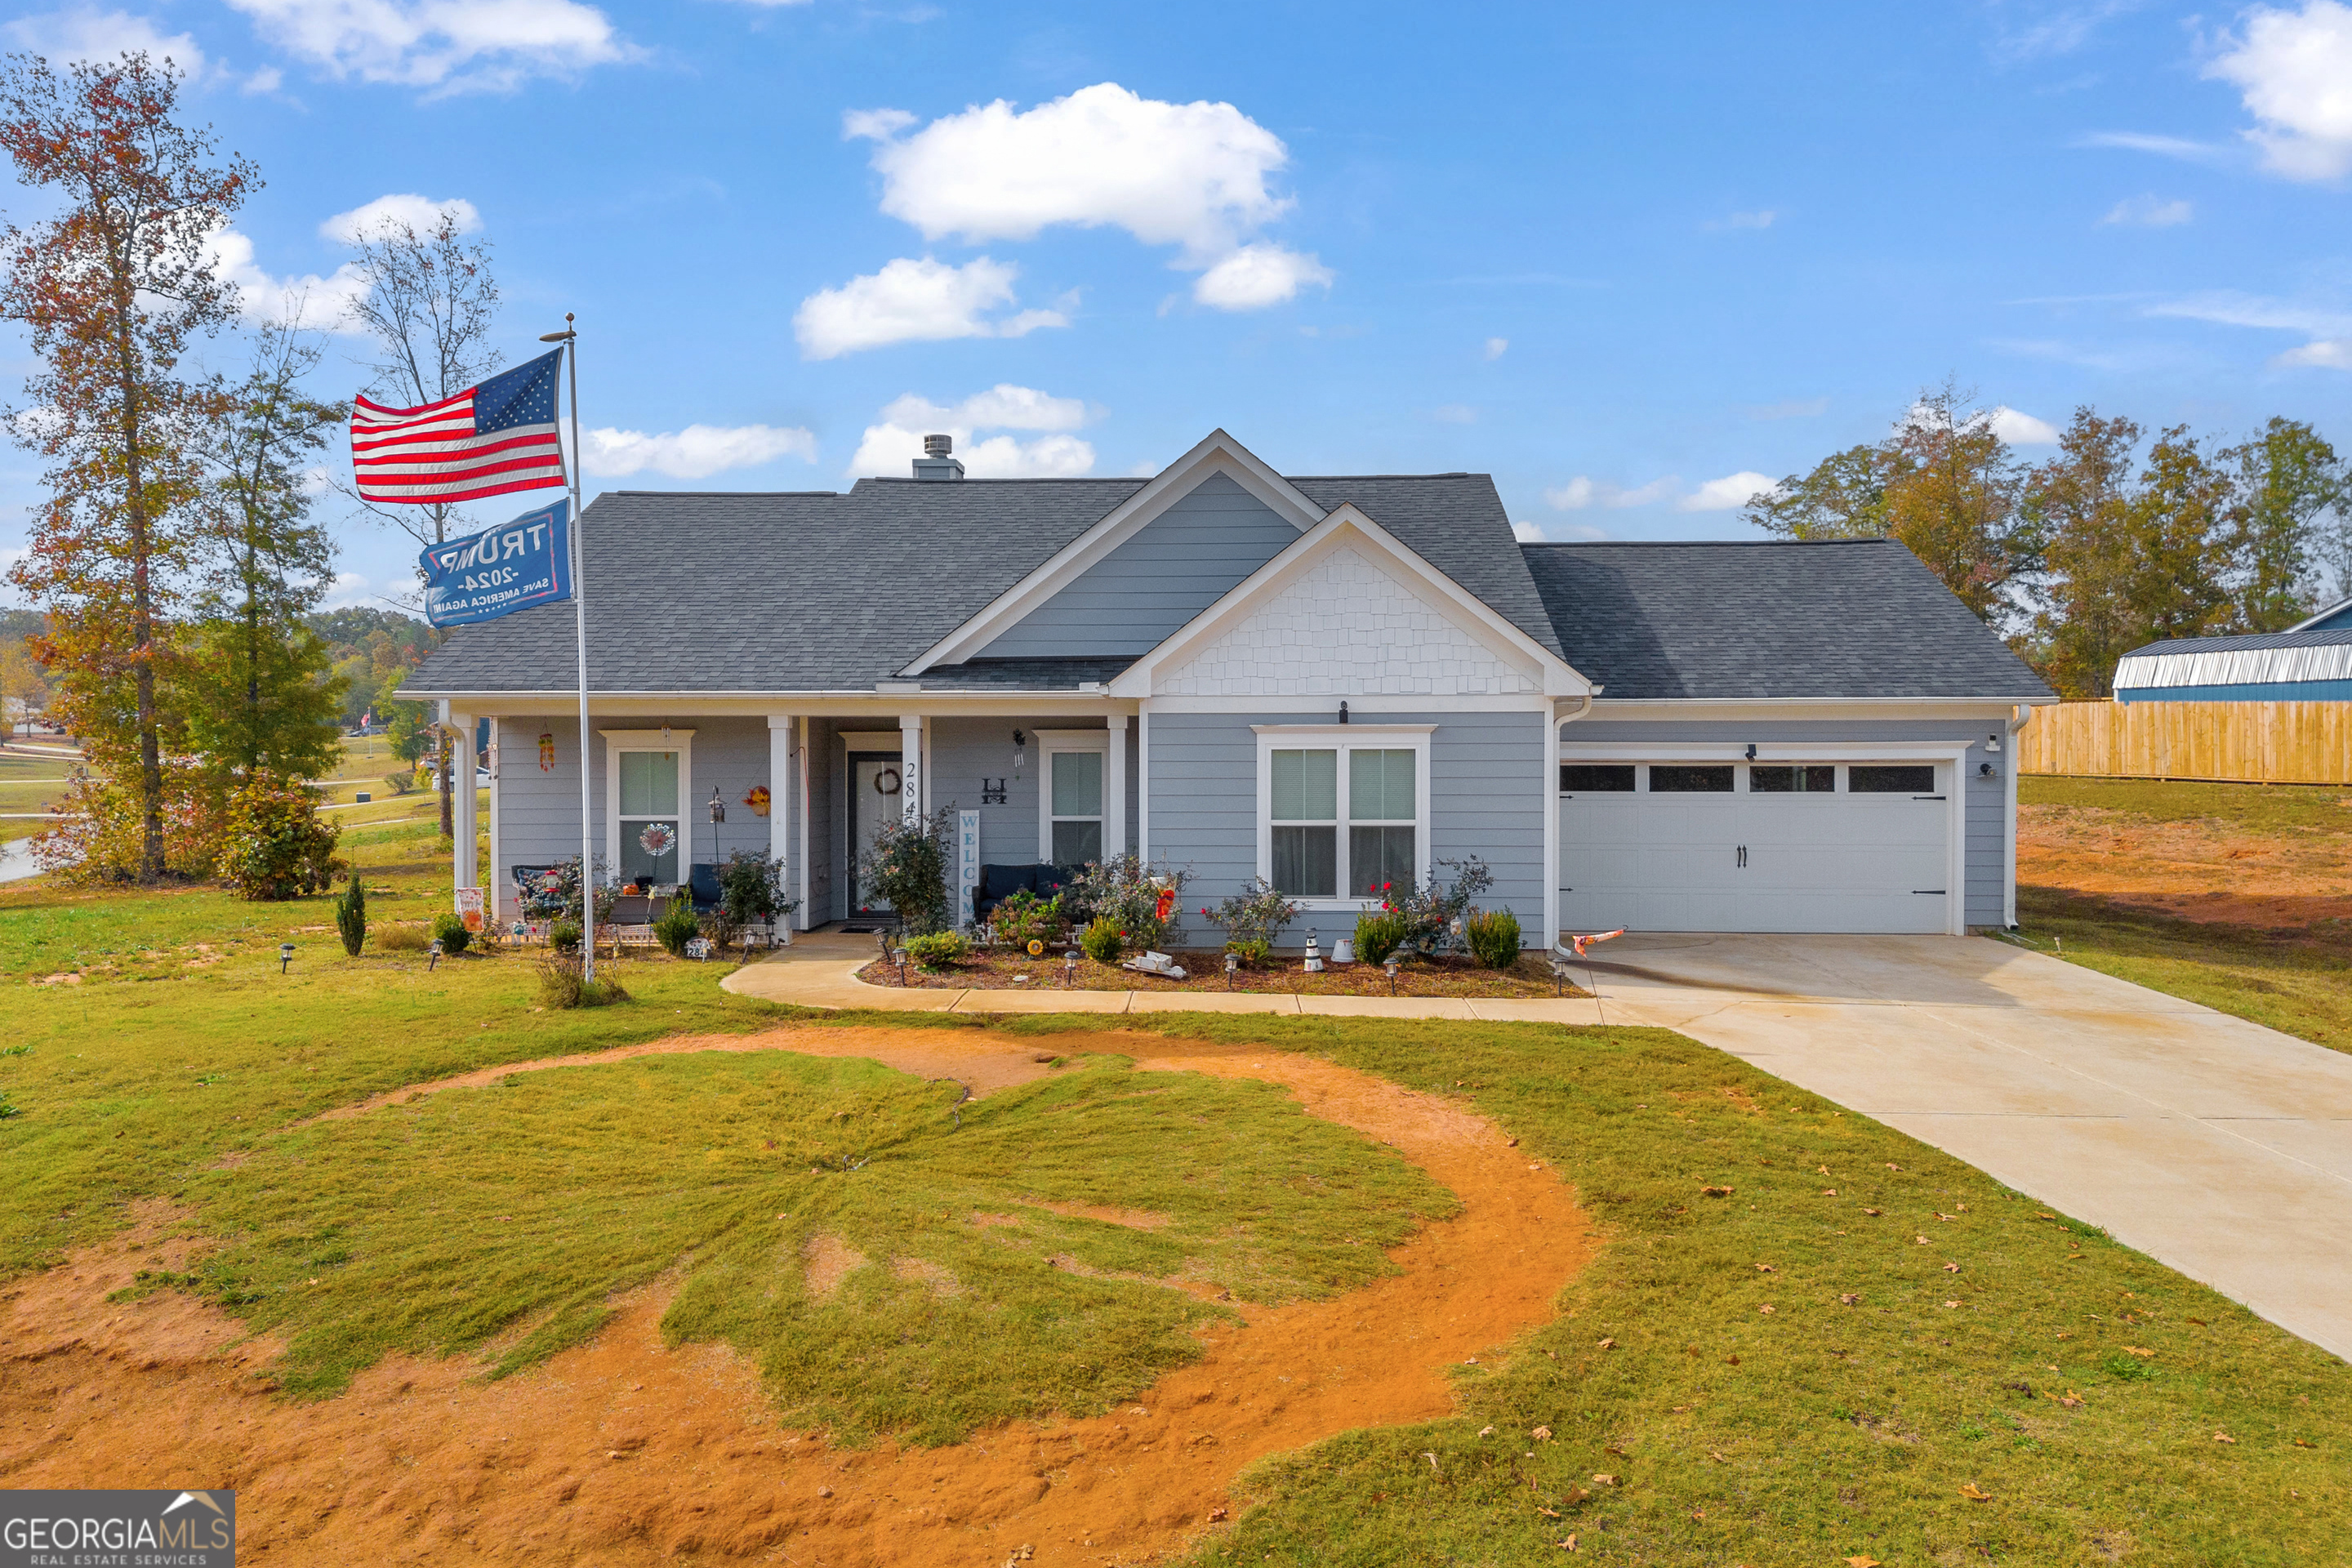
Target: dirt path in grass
{"points": [[621, 1452], [2201, 870]]}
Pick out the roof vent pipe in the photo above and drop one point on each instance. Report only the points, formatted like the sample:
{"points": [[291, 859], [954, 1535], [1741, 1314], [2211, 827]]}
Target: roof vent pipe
{"points": [[935, 463]]}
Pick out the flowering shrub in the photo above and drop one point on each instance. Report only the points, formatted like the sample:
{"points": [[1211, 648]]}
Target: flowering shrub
{"points": [[95, 832], [1140, 900], [751, 889], [1024, 917], [1428, 913], [274, 844], [908, 867], [1253, 917]]}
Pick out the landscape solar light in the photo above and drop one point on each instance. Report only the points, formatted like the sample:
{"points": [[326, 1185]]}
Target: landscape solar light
{"points": [[1233, 962], [1391, 967], [1559, 975], [1069, 968], [285, 955], [899, 958], [434, 961]]}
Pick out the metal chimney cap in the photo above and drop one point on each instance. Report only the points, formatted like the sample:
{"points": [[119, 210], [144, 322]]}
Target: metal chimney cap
{"points": [[937, 446]]}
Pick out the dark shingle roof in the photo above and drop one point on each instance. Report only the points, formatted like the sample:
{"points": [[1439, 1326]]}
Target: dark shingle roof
{"points": [[2246, 642], [1842, 618], [815, 591]]}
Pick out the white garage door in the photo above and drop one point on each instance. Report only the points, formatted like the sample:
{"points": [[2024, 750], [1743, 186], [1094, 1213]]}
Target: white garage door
{"points": [[1739, 847]]}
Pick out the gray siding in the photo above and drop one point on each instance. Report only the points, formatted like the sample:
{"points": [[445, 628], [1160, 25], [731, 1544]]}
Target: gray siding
{"points": [[1489, 798], [1176, 567], [538, 812], [1985, 853]]}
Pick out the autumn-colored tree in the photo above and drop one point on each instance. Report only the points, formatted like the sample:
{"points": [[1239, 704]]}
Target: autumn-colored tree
{"points": [[260, 698], [110, 292], [1943, 482], [429, 306], [21, 686], [2080, 502]]}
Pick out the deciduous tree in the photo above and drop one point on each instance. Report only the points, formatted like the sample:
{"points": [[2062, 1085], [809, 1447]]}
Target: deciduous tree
{"points": [[111, 291], [2290, 488]]}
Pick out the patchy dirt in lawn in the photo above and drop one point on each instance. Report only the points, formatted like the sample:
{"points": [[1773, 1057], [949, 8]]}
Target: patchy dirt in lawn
{"points": [[2206, 870], [1453, 975], [623, 1451]]}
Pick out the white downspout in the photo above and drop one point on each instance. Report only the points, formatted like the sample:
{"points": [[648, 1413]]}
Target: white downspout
{"points": [[2021, 715], [1551, 813]]}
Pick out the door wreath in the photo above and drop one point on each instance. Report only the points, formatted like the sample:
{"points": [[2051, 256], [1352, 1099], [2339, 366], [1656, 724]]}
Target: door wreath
{"points": [[887, 781]]}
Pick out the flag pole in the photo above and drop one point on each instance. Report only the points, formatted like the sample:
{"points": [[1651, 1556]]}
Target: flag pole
{"points": [[570, 339]]}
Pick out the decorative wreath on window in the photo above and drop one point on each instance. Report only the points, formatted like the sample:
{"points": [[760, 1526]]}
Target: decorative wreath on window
{"points": [[657, 839], [887, 781]]}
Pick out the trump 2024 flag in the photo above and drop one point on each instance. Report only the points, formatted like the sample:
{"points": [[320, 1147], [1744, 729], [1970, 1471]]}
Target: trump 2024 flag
{"points": [[500, 570], [486, 441]]}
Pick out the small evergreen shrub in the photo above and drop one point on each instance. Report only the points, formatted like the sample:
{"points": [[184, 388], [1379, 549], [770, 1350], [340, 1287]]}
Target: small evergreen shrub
{"points": [[1102, 940], [677, 926], [563, 936], [1493, 936], [939, 950], [452, 933], [1380, 932], [1254, 952], [350, 915]]}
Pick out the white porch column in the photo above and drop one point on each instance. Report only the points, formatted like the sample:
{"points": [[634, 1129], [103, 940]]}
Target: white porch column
{"points": [[807, 735], [913, 768], [461, 784], [779, 793], [1550, 797], [1143, 781], [1115, 789]]}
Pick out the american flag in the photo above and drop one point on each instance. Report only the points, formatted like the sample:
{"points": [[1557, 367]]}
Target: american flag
{"points": [[486, 441]]}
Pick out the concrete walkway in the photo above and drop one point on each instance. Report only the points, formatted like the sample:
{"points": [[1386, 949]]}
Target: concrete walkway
{"points": [[819, 970], [2219, 1147]]}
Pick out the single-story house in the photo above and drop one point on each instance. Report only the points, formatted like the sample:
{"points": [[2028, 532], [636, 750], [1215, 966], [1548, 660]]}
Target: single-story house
{"points": [[2310, 663], [1331, 682]]}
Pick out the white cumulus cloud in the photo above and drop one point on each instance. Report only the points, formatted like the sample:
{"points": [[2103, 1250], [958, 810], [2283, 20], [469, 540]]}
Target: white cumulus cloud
{"points": [[2328, 353], [916, 301], [2148, 212], [695, 452], [1728, 493], [1258, 276], [2293, 69], [1581, 492], [87, 33], [319, 304], [447, 46], [1194, 175], [896, 439], [1498, 347], [2021, 429], [414, 212]]}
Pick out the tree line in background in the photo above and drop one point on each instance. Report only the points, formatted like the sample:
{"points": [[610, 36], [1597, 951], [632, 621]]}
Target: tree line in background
{"points": [[176, 561], [2127, 536]]}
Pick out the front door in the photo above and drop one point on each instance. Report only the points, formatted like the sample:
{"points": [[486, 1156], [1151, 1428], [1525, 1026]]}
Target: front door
{"points": [[875, 794]]}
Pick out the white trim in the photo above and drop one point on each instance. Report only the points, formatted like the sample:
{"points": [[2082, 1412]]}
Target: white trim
{"points": [[780, 730], [1347, 525], [1115, 788], [1550, 784], [467, 871], [1215, 453], [616, 741], [1374, 703], [493, 913], [1143, 784], [807, 733], [2304, 624], [1342, 738], [870, 740], [1718, 707], [1049, 743], [913, 758]]}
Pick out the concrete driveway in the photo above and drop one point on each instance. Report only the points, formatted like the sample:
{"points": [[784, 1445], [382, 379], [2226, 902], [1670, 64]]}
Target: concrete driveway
{"points": [[2218, 1146]]}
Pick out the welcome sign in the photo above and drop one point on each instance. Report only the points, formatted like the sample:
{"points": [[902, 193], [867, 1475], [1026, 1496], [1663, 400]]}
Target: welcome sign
{"points": [[500, 570]]}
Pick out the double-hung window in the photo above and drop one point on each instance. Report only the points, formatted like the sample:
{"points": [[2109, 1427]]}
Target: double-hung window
{"points": [[1071, 795], [1343, 810], [647, 778]]}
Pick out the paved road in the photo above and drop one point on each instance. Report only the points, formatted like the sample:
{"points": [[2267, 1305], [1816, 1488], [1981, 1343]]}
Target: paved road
{"points": [[2218, 1146]]}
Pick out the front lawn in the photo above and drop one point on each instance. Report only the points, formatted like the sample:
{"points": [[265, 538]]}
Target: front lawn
{"points": [[1962, 1375]]}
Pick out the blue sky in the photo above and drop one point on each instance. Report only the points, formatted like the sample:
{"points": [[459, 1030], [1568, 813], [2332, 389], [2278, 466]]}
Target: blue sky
{"points": [[1625, 258]]}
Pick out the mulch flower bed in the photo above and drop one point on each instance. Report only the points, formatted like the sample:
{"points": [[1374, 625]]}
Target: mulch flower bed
{"points": [[1448, 976]]}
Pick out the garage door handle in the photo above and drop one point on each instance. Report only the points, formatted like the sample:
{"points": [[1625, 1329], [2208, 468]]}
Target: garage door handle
{"points": [[1743, 855], [1932, 892]]}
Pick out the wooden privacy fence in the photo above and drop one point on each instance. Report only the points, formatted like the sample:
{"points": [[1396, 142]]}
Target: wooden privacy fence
{"points": [[2261, 742]]}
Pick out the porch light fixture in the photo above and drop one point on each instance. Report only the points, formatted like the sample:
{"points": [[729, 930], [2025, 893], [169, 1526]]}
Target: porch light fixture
{"points": [[285, 955], [1751, 751]]}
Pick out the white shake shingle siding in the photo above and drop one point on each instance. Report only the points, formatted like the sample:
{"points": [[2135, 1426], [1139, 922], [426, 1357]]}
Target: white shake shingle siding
{"points": [[1487, 797]]}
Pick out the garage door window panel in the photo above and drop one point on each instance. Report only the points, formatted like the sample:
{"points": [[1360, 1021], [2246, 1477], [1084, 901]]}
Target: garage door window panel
{"points": [[1596, 778], [1795, 778], [1690, 778], [1891, 778]]}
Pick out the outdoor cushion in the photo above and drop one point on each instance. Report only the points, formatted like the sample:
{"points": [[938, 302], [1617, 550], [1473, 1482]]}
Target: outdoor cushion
{"points": [[998, 883], [705, 886]]}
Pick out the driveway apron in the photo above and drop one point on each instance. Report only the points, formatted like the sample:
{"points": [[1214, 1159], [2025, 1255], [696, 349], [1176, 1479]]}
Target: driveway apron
{"points": [[2219, 1147]]}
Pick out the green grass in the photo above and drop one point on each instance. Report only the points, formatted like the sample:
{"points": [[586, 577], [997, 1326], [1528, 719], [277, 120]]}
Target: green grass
{"points": [[29, 781], [436, 1228], [1823, 1430], [1841, 1429], [2249, 808], [2298, 981]]}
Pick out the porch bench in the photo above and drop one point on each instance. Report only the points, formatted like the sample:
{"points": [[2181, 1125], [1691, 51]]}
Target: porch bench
{"points": [[998, 883]]}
